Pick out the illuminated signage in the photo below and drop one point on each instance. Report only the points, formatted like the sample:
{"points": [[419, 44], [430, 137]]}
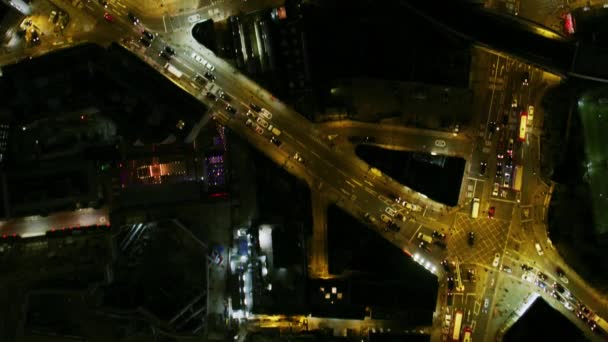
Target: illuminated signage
{"points": [[522, 126]]}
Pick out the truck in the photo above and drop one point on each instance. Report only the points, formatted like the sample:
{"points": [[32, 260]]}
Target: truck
{"points": [[475, 208], [457, 325], [425, 238], [173, 70], [466, 337], [518, 174]]}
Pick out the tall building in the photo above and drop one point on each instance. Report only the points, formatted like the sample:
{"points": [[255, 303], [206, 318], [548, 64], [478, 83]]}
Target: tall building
{"points": [[19, 5]]}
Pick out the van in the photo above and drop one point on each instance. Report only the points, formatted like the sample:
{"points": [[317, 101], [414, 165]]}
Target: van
{"points": [[475, 208], [424, 237]]}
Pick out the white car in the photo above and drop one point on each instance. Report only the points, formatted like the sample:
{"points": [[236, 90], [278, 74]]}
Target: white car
{"points": [[496, 260], [392, 212], [495, 189], [262, 122], [539, 249], [266, 114]]}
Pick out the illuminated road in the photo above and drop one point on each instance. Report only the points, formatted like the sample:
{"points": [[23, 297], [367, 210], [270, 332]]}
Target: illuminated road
{"points": [[307, 153]]}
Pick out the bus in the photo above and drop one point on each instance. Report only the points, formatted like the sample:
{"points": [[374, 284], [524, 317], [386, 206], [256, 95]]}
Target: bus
{"points": [[518, 174], [523, 122], [457, 325], [173, 70], [475, 208]]}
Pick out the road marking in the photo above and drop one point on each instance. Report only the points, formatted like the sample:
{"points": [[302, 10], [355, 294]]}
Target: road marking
{"points": [[315, 154], [502, 200], [368, 182], [358, 183], [370, 191], [416, 233], [473, 325], [349, 183], [164, 23]]}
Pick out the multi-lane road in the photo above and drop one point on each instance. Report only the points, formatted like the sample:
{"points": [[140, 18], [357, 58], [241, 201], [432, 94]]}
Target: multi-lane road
{"points": [[308, 151]]}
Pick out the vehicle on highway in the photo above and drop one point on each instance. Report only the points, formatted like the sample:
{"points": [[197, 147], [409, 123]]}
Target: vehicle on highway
{"points": [[450, 281], [209, 76], [539, 249], [211, 95], [496, 260], [466, 336], [385, 218], [561, 275], [491, 212], [541, 276], [424, 237], [507, 269], [259, 130], [274, 130], [525, 267], [148, 35], [499, 169], [528, 276], [108, 17], [265, 113], [558, 287], [401, 217], [456, 130], [471, 239], [255, 107], [510, 147], [251, 115], [438, 235], [262, 122], [495, 189], [425, 246], [249, 123], [200, 80], [275, 141], [542, 285], [133, 18], [440, 143], [297, 157], [486, 304], [525, 78], [173, 70], [471, 274], [224, 96], [169, 50], [568, 306], [392, 212], [447, 266], [164, 55], [475, 208], [230, 109], [499, 155], [394, 227], [482, 168], [145, 42], [506, 182], [514, 103]]}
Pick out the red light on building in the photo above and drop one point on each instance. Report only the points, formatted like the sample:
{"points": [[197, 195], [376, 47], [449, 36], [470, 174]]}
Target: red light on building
{"points": [[523, 121]]}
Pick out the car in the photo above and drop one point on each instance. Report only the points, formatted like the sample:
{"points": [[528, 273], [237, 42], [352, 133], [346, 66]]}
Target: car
{"points": [[224, 96], [499, 169], [568, 306], [394, 227], [440, 243], [299, 158], [209, 76], [510, 147], [169, 50], [527, 276], [506, 183], [493, 127], [526, 268], [255, 107], [249, 123], [274, 140], [486, 303], [471, 239], [500, 155], [211, 95], [198, 58], [438, 235], [561, 275], [392, 212], [199, 79], [542, 276], [450, 281], [108, 17], [509, 162], [401, 217], [266, 114], [209, 66], [507, 269], [514, 103], [447, 266], [133, 18], [482, 168], [542, 285], [230, 109], [426, 246], [525, 78], [491, 212], [495, 189], [456, 130], [251, 115], [262, 122], [471, 274], [539, 249], [259, 130], [103, 3], [148, 35], [496, 260], [559, 288], [145, 42], [164, 55]]}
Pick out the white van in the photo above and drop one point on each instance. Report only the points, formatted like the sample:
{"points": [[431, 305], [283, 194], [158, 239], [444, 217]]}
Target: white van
{"points": [[475, 208]]}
